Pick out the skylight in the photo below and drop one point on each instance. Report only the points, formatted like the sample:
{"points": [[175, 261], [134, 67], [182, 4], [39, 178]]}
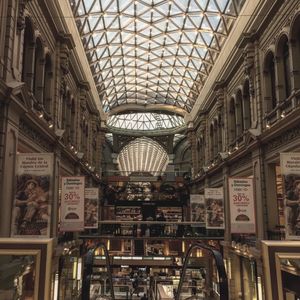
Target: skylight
{"points": [[143, 155], [153, 51]]}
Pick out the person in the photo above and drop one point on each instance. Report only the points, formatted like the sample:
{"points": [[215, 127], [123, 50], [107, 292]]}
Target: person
{"points": [[161, 227], [23, 200], [144, 297], [292, 202]]}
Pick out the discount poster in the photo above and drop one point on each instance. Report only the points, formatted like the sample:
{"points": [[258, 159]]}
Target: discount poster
{"points": [[214, 203], [197, 208], [91, 199], [31, 212], [290, 169], [241, 199], [72, 204]]}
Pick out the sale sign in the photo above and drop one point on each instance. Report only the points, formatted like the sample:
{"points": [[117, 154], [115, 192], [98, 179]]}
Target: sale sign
{"points": [[241, 198], [72, 204]]}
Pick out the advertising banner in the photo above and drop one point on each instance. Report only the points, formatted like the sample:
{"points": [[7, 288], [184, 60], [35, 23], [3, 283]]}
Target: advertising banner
{"points": [[31, 212], [214, 203], [241, 199], [197, 208], [91, 200], [72, 204], [290, 169]]}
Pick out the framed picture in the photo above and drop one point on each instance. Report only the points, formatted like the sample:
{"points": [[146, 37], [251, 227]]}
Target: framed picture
{"points": [[281, 269], [25, 268]]}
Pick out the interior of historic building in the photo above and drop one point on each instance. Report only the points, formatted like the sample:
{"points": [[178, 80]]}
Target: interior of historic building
{"points": [[149, 149]]}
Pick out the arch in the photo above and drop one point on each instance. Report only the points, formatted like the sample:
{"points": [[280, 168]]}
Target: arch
{"points": [[283, 67], [28, 54], [246, 104], [295, 51], [270, 82], [232, 121], [48, 78]]}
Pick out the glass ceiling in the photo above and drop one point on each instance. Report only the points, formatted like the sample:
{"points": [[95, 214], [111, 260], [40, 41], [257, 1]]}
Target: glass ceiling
{"points": [[143, 155], [152, 51]]}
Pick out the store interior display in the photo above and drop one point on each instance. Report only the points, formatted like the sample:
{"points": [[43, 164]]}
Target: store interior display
{"points": [[17, 277], [25, 268]]}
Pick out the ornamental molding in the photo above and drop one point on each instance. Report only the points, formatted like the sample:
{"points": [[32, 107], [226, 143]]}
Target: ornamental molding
{"points": [[285, 138], [34, 136]]}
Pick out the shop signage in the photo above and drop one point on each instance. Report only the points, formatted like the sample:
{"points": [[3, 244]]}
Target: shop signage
{"points": [[214, 203], [91, 200], [290, 169], [72, 204], [197, 208], [241, 199], [31, 213]]}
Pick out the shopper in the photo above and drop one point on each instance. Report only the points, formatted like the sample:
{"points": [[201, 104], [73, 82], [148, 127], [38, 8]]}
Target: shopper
{"points": [[144, 297]]}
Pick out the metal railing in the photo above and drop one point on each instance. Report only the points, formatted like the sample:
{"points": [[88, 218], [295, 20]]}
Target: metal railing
{"points": [[223, 281]]}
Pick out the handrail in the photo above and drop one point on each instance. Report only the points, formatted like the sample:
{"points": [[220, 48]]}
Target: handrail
{"points": [[223, 282], [89, 271]]}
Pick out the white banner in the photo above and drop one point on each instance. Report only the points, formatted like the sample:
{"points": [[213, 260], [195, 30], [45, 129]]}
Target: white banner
{"points": [[214, 203], [197, 208], [31, 213], [91, 200], [241, 199], [290, 168], [72, 204]]}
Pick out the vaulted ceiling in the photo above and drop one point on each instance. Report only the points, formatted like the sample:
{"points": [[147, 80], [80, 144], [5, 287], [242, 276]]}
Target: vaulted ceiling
{"points": [[146, 52]]}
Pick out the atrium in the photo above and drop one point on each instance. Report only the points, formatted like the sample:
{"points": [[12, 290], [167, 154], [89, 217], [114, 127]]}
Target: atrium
{"points": [[149, 149]]}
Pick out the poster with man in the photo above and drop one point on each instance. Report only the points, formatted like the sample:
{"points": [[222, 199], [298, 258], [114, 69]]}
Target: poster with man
{"points": [[290, 169], [91, 199], [197, 208], [214, 203], [31, 212]]}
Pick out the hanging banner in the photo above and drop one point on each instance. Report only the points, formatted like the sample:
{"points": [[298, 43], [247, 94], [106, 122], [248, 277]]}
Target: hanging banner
{"points": [[197, 208], [214, 204], [241, 199], [290, 169], [31, 213], [91, 200], [72, 204]]}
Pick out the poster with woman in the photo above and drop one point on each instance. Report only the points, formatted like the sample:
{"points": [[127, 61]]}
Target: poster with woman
{"points": [[197, 208], [214, 203], [31, 212], [290, 169], [91, 199]]}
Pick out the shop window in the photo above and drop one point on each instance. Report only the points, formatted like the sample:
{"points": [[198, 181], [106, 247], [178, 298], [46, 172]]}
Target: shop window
{"points": [[283, 68], [286, 69], [215, 137], [295, 51], [279, 193], [220, 130], [28, 55], [39, 64], [48, 76], [270, 83], [211, 141], [73, 120], [232, 121], [246, 105], [239, 114]]}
